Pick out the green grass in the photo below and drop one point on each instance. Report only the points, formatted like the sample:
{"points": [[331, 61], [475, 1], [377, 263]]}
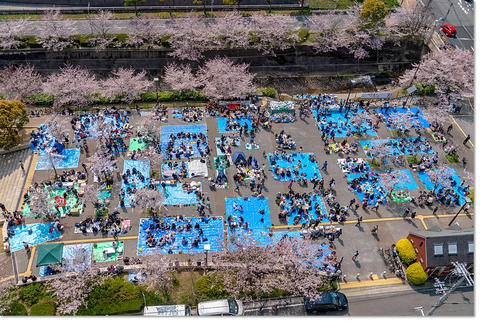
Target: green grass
{"points": [[31, 294], [15, 309], [374, 162], [452, 158], [331, 4], [45, 307], [412, 159]]}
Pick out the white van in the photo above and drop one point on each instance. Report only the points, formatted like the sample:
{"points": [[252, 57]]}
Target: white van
{"points": [[167, 310], [220, 307]]}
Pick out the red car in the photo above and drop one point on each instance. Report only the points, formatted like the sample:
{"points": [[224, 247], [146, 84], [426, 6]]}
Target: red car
{"points": [[449, 30]]}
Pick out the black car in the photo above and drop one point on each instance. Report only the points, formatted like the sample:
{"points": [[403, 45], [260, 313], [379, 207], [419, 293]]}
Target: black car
{"points": [[333, 301]]}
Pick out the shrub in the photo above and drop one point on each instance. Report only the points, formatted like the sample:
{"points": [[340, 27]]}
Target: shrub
{"points": [[452, 158], [412, 159], [406, 252], [303, 34], [115, 296], [374, 162], [416, 275], [30, 294], [45, 307], [15, 308], [270, 92], [209, 288], [40, 99]]}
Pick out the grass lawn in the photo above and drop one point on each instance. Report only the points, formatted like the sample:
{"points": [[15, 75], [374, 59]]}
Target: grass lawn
{"points": [[330, 4]]}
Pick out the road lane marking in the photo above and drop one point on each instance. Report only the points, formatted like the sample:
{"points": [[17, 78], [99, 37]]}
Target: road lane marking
{"points": [[461, 130]]}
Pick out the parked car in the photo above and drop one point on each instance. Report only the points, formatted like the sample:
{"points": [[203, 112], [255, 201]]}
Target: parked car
{"points": [[333, 301], [449, 30], [220, 307], [167, 310]]}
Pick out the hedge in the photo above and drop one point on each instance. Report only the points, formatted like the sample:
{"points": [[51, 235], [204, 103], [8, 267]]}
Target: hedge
{"points": [[270, 92], [45, 307], [15, 309], [416, 275], [114, 296], [406, 252], [31, 293]]}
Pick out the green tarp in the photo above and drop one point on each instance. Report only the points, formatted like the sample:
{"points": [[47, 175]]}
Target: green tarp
{"points": [[49, 254], [137, 144]]}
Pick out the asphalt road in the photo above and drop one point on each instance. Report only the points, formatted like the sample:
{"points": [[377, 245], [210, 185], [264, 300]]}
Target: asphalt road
{"points": [[461, 16], [459, 303]]}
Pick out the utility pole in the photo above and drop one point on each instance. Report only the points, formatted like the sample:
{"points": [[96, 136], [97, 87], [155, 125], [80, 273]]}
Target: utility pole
{"points": [[444, 297], [455, 217]]}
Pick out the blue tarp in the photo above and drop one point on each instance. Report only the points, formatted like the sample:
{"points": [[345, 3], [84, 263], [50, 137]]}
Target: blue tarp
{"points": [[340, 124], [306, 217], [174, 129], [175, 195], [404, 146], [177, 169], [144, 168], [213, 231], [33, 234], [418, 121], [222, 124], [43, 137], [308, 167], [77, 257], [69, 159], [457, 188]]}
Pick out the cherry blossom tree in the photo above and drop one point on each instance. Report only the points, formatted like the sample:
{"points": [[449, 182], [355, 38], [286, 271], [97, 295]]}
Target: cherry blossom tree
{"points": [[180, 78], [253, 269], [394, 180], [17, 82], [450, 71], [149, 127], [231, 30], [188, 37], [100, 28], [54, 33], [221, 78], [148, 198], [360, 118], [407, 21], [438, 115], [142, 32], [41, 204], [72, 85], [158, 272], [99, 163], [439, 176], [127, 84], [328, 32], [274, 32], [402, 121], [71, 290], [379, 149], [10, 30], [90, 193], [150, 155]]}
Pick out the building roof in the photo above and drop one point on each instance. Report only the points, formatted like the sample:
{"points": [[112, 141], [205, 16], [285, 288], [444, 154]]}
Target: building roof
{"points": [[458, 237]]}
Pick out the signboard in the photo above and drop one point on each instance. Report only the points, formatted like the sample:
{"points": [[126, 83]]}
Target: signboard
{"points": [[377, 95], [411, 89]]}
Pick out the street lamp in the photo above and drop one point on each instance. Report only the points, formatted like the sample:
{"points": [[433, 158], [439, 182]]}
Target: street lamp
{"points": [[206, 248], [156, 80]]}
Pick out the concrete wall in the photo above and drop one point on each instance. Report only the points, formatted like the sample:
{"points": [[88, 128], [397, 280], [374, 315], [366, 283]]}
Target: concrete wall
{"points": [[300, 61], [119, 3]]}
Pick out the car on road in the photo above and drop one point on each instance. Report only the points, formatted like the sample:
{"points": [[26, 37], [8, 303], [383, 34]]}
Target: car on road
{"points": [[449, 30], [332, 301], [220, 307]]}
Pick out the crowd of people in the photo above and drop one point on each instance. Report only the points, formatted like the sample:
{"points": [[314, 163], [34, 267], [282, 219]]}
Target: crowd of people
{"points": [[183, 145]]}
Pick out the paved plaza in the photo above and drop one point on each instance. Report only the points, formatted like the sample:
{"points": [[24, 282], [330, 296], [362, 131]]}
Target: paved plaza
{"points": [[392, 226]]}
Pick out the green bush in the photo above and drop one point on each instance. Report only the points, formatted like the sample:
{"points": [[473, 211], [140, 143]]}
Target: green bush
{"points": [[45, 307], [173, 96], [269, 92], [41, 99], [115, 296], [208, 288], [452, 158], [406, 252], [416, 275], [303, 34], [30, 294], [412, 159], [374, 162], [15, 308]]}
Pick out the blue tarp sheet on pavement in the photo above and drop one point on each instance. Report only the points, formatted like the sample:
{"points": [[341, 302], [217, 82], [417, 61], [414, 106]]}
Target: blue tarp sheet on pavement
{"points": [[32, 234], [212, 230], [144, 168], [175, 195], [404, 146], [457, 188], [417, 120], [308, 167], [69, 159], [222, 124], [174, 129]]}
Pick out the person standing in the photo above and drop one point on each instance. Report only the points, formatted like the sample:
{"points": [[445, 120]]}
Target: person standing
{"points": [[466, 139], [22, 166], [355, 255], [324, 166]]}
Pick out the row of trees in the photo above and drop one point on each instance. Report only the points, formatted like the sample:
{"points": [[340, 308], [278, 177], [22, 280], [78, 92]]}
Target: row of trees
{"points": [[359, 30], [76, 86]]}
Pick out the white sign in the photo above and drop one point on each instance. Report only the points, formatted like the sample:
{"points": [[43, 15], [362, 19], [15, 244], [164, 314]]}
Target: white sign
{"points": [[411, 89]]}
